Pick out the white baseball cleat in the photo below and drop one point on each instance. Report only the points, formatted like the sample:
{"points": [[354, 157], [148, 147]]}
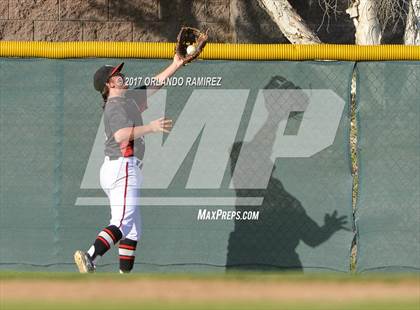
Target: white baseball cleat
{"points": [[83, 262]]}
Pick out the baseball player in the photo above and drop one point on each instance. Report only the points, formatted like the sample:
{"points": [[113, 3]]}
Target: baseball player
{"points": [[120, 174]]}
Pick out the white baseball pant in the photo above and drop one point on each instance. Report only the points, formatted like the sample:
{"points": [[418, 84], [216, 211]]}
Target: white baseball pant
{"points": [[121, 180]]}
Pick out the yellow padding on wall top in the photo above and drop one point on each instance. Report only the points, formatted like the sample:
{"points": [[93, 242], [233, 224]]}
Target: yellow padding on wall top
{"points": [[212, 51]]}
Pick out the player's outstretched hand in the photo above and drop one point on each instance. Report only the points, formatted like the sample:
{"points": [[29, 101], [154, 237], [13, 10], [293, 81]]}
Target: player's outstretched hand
{"points": [[161, 125]]}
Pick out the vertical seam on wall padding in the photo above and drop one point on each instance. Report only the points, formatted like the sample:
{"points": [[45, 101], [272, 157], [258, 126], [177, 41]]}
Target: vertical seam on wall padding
{"points": [[58, 164], [350, 157], [358, 128]]}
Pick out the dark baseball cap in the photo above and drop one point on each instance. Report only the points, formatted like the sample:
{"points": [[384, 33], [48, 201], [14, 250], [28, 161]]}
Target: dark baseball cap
{"points": [[103, 74]]}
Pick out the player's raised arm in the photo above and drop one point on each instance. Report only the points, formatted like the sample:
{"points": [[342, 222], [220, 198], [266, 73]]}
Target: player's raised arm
{"points": [[164, 75]]}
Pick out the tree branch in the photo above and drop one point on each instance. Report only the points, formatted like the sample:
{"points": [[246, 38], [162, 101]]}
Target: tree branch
{"points": [[290, 23]]}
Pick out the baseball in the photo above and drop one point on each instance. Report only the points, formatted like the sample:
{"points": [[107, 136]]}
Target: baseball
{"points": [[191, 49]]}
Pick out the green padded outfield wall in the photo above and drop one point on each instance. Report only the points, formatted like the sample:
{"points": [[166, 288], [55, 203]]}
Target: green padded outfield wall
{"points": [[388, 212], [50, 115]]}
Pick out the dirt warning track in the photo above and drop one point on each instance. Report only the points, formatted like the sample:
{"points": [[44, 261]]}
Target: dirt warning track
{"points": [[202, 290]]}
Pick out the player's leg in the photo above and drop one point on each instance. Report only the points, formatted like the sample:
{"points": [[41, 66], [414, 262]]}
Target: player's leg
{"points": [[123, 201], [122, 189], [131, 224], [109, 236], [128, 245], [110, 177], [86, 261]]}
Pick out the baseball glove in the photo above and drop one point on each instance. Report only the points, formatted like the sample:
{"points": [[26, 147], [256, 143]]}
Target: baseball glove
{"points": [[189, 36]]}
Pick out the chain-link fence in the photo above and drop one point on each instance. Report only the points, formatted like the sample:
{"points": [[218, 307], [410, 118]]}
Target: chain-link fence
{"points": [[388, 212], [256, 173]]}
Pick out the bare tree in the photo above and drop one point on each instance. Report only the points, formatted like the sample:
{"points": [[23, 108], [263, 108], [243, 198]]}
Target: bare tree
{"points": [[370, 18], [290, 23], [412, 28], [364, 14], [392, 12]]}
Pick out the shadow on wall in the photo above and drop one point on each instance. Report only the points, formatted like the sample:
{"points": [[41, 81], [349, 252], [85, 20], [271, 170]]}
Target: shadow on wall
{"points": [[270, 242]]}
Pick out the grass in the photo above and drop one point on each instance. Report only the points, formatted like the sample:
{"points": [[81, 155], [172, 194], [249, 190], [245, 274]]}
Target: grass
{"points": [[163, 305], [156, 304]]}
